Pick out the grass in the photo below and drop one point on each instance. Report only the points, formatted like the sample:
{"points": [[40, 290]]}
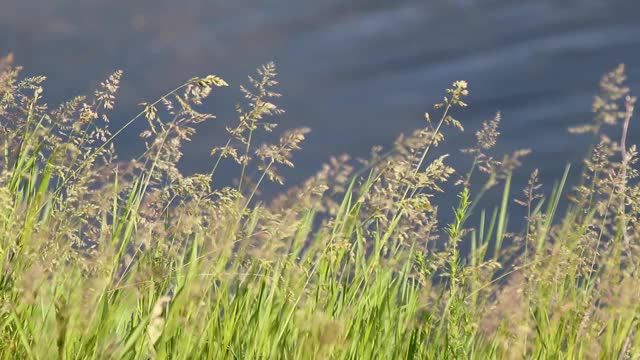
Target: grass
{"points": [[103, 258]]}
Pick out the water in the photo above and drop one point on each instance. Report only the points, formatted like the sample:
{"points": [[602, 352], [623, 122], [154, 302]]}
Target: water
{"points": [[357, 72]]}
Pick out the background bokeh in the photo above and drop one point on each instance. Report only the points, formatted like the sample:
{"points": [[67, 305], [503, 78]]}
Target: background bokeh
{"points": [[357, 72]]}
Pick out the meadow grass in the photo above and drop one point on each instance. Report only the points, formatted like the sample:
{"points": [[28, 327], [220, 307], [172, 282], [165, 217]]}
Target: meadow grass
{"points": [[103, 258]]}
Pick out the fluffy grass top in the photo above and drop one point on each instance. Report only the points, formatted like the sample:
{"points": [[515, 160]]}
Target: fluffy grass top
{"points": [[103, 258]]}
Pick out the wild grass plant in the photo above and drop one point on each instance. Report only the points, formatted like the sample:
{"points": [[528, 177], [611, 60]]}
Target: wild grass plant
{"points": [[103, 258]]}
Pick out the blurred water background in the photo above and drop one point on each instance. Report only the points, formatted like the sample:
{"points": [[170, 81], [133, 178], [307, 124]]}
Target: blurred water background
{"points": [[357, 72]]}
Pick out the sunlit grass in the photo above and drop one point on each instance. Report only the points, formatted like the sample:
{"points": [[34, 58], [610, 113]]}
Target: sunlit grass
{"points": [[103, 258]]}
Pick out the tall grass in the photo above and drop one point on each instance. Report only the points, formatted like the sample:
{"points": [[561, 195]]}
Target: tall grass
{"points": [[103, 258]]}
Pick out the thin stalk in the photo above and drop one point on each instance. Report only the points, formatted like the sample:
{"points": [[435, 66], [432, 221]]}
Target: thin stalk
{"points": [[245, 160]]}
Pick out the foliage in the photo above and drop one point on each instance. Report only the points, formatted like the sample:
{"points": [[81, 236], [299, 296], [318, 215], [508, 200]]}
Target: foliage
{"points": [[103, 258]]}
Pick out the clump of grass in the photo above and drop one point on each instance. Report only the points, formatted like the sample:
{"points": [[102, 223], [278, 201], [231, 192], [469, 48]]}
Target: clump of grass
{"points": [[103, 258]]}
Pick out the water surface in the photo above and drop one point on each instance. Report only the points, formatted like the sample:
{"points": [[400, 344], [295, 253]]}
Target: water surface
{"points": [[357, 72]]}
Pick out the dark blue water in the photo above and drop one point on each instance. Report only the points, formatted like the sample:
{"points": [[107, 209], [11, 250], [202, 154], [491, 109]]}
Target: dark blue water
{"points": [[357, 72]]}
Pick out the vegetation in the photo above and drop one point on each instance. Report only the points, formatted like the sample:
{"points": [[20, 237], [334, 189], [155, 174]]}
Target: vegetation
{"points": [[103, 258]]}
